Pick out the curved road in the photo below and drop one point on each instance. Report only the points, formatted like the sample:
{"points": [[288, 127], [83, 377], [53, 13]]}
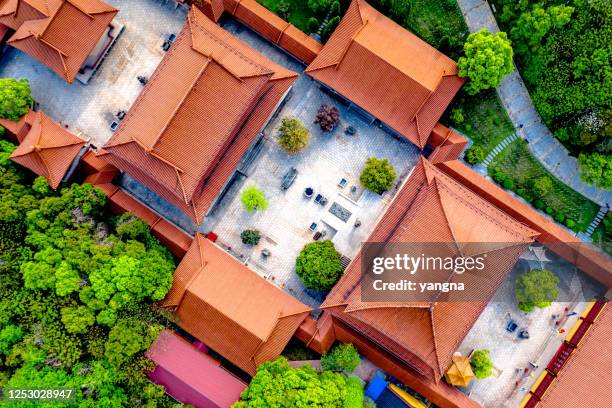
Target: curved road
{"points": [[515, 98]]}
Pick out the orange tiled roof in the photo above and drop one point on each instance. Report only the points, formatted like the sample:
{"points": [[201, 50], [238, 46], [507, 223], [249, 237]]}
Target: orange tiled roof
{"points": [[585, 380], [47, 149], [388, 71], [230, 308], [13, 13], [59, 33], [204, 119], [431, 207]]}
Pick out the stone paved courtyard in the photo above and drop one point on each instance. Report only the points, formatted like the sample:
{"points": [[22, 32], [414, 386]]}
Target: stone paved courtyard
{"points": [[328, 158], [510, 354], [88, 110]]}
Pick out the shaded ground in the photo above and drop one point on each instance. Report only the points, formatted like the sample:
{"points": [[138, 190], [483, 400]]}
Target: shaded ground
{"points": [[89, 109], [512, 355]]}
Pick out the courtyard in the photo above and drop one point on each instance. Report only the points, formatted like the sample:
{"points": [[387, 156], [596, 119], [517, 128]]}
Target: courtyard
{"points": [[330, 165], [88, 110], [518, 362]]}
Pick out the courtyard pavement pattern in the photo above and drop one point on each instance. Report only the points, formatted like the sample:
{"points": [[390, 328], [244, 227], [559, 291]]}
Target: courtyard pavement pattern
{"points": [[510, 354], [88, 110], [515, 99]]}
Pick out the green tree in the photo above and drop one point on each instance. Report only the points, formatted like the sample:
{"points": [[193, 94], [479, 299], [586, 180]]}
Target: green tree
{"points": [[319, 7], [293, 135], [253, 199], [542, 186], [475, 154], [15, 98], [250, 236], [276, 384], [532, 26], [129, 337], [9, 335], [313, 24], [481, 363], [536, 288], [457, 116], [596, 169], [77, 320], [343, 357], [329, 28], [318, 265], [487, 60], [377, 175]]}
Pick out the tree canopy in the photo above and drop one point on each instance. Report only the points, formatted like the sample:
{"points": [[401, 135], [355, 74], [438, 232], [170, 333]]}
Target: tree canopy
{"points": [[293, 135], [253, 199], [563, 50], [318, 265], [276, 384], [343, 356], [536, 288], [76, 286], [481, 363], [377, 175], [487, 60], [15, 98]]}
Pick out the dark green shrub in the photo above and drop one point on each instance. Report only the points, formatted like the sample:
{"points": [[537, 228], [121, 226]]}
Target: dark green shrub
{"points": [[559, 217], [343, 357], [508, 184], [539, 204], [250, 236], [475, 155], [549, 211], [329, 28], [334, 10], [499, 177], [570, 223], [457, 115], [313, 25], [319, 7], [318, 265]]}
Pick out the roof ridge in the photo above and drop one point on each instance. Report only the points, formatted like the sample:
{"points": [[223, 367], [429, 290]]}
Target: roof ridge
{"points": [[436, 182], [193, 21], [446, 178], [435, 342]]}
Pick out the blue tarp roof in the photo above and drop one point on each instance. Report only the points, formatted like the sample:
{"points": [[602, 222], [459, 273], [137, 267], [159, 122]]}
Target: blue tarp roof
{"points": [[375, 387]]}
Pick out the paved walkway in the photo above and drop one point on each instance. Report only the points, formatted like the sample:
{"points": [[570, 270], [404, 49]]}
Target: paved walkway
{"points": [[515, 98]]}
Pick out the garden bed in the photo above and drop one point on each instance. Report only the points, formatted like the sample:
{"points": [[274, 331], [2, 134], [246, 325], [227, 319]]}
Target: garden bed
{"points": [[485, 120], [520, 169]]}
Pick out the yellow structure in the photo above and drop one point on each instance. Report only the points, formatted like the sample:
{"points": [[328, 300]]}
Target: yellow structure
{"points": [[407, 398], [460, 372]]}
